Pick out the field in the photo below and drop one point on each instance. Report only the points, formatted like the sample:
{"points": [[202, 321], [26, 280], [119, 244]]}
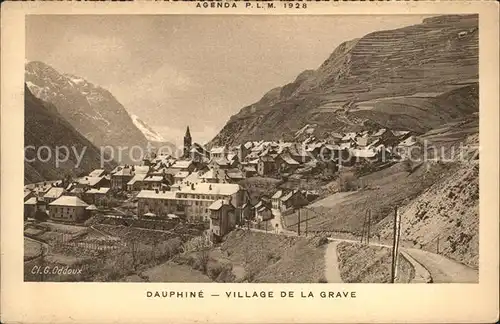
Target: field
{"points": [[370, 264], [385, 190], [275, 258], [173, 272], [107, 253], [32, 249]]}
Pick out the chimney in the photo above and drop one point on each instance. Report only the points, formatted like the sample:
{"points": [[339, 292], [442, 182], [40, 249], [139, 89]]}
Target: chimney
{"points": [[210, 187], [192, 186]]}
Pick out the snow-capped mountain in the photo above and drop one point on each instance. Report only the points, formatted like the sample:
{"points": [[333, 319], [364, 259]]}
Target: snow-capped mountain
{"points": [[90, 109], [149, 133]]}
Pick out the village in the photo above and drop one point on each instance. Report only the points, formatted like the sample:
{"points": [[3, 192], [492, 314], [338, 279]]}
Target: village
{"points": [[206, 186]]}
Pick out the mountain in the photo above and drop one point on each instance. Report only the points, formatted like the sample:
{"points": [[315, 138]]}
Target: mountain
{"points": [[413, 78], [150, 134], [44, 126], [92, 110]]}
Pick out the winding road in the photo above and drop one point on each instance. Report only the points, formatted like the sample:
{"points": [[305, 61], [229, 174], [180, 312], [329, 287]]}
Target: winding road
{"points": [[441, 268], [332, 272]]}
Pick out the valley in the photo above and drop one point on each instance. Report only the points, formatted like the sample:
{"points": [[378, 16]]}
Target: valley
{"points": [[302, 186]]}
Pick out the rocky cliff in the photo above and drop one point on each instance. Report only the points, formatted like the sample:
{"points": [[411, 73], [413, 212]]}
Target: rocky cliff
{"points": [[415, 78], [45, 127], [90, 109]]}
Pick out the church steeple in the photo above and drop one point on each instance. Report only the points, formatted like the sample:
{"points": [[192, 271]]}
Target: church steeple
{"points": [[187, 142]]}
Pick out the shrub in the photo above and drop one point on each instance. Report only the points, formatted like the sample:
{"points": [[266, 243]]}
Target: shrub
{"points": [[322, 280], [214, 270], [322, 241], [41, 216], [226, 275], [202, 260], [407, 165], [348, 182]]}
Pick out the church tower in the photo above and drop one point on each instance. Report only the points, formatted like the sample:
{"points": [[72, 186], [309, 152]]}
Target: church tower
{"points": [[187, 143]]}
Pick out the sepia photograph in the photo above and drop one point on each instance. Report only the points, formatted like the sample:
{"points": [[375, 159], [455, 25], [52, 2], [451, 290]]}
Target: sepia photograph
{"points": [[249, 162], [253, 149]]}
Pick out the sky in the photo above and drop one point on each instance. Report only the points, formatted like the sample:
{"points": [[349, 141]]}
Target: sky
{"points": [[178, 70]]}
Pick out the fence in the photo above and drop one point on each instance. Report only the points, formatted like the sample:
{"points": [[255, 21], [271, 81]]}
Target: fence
{"points": [[91, 246], [69, 240]]}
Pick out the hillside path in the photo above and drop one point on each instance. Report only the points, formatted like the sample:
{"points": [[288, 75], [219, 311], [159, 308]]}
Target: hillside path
{"points": [[332, 272], [442, 269]]}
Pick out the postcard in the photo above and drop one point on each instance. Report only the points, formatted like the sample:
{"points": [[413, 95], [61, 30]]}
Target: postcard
{"points": [[249, 162]]}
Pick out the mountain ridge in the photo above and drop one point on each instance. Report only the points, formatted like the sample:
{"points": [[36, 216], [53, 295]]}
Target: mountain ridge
{"points": [[44, 126], [92, 110], [425, 61]]}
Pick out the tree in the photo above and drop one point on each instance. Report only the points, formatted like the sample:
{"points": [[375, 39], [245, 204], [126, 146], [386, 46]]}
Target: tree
{"points": [[41, 216], [348, 182], [203, 258]]}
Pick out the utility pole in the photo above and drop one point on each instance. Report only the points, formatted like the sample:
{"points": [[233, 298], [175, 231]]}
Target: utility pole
{"points": [[298, 224], [395, 244], [42, 263], [307, 217], [363, 230], [369, 224], [437, 245]]}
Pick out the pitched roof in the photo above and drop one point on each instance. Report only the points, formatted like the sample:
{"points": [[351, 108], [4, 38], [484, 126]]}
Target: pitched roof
{"points": [[141, 169], [222, 161], [288, 159], [266, 158], [137, 177], [72, 201], [380, 132], [123, 172], [91, 181], [156, 195], [290, 195], [211, 174], [216, 205], [181, 174], [218, 150], [400, 132], [212, 188], [54, 193], [367, 153], [349, 136], [182, 164], [249, 168], [263, 208], [277, 194], [31, 201], [153, 179], [236, 174], [102, 190], [96, 173]]}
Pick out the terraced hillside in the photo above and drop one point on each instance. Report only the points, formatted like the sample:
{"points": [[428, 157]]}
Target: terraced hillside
{"points": [[414, 78]]}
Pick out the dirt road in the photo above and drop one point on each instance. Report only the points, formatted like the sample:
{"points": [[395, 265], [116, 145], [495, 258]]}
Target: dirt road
{"points": [[444, 270], [441, 268], [332, 272]]}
